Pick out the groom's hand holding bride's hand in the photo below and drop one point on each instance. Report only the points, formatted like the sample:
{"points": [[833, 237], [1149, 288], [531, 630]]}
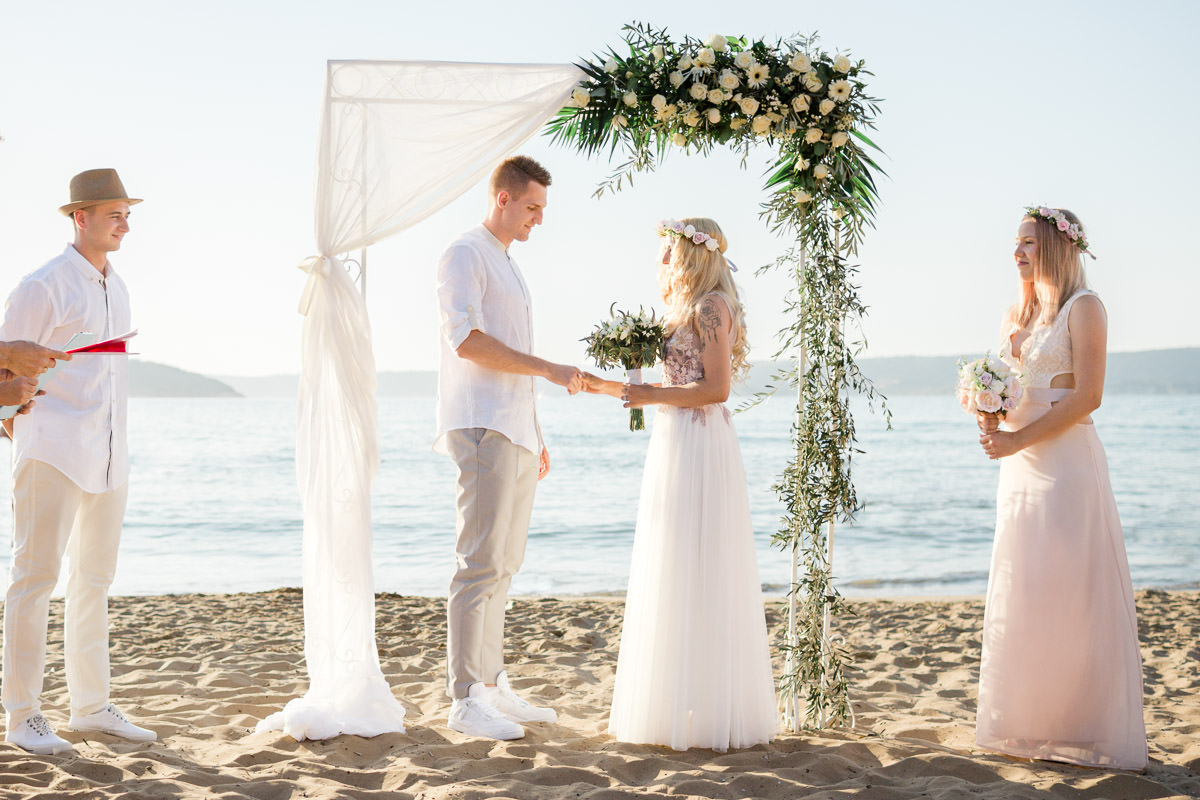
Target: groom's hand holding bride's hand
{"points": [[563, 375]]}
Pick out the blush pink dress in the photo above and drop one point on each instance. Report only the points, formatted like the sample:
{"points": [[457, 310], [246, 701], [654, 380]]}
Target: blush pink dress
{"points": [[1061, 674], [694, 669]]}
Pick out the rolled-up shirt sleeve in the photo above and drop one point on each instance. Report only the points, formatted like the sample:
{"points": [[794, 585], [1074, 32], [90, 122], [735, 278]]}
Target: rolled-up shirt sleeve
{"points": [[461, 283]]}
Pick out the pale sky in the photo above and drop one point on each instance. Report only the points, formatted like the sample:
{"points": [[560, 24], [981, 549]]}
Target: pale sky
{"points": [[211, 112]]}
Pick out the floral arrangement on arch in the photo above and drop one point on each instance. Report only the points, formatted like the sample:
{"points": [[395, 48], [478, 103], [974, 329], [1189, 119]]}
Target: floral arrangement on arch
{"points": [[812, 107]]}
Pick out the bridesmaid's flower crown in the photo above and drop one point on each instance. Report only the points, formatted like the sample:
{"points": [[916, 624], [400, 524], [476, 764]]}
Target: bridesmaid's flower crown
{"points": [[1059, 220]]}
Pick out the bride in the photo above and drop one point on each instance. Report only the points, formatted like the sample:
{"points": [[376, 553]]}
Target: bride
{"points": [[1061, 675], [694, 668]]}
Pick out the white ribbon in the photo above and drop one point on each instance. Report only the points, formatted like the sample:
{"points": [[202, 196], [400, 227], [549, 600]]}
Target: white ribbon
{"points": [[633, 375], [316, 267]]}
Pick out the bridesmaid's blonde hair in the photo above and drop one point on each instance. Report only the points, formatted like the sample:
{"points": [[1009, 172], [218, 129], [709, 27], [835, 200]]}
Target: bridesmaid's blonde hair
{"points": [[1057, 271], [693, 271]]}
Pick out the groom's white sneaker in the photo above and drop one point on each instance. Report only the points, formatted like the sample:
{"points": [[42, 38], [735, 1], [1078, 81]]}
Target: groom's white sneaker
{"points": [[35, 735], [476, 716], [515, 708], [110, 720]]}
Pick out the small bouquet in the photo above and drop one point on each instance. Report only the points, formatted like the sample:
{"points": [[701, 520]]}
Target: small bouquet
{"points": [[988, 385], [631, 341]]}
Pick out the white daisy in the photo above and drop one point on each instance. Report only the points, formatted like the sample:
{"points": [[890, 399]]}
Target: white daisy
{"points": [[757, 75]]}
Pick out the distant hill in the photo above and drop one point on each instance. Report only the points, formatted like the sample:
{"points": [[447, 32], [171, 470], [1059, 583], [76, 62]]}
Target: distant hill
{"points": [[391, 384], [1146, 372], [148, 379]]}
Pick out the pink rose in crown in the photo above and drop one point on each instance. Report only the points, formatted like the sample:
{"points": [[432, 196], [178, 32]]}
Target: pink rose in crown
{"points": [[1063, 224], [988, 401], [699, 238]]}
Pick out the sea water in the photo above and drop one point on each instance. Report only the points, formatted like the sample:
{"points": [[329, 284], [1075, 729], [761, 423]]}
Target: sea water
{"points": [[213, 503]]}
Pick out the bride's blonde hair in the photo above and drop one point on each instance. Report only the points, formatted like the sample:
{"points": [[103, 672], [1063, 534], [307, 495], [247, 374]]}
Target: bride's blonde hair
{"points": [[693, 271], [1057, 271]]}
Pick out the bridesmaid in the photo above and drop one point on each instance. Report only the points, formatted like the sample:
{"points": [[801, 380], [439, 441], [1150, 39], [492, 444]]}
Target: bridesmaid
{"points": [[1061, 674]]}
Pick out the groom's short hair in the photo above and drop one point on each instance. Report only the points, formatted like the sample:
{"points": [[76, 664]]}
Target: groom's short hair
{"points": [[515, 173]]}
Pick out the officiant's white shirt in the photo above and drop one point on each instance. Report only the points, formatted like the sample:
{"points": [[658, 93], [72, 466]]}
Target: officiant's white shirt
{"points": [[480, 288], [78, 426]]}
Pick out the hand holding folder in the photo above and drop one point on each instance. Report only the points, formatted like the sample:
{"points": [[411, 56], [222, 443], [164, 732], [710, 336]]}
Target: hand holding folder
{"points": [[85, 345]]}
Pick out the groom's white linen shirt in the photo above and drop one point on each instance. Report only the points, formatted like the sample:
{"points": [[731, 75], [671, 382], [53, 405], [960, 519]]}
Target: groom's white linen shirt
{"points": [[480, 288], [78, 426]]}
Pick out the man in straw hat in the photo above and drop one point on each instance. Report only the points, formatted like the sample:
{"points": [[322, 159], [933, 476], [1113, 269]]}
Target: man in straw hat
{"points": [[70, 474]]}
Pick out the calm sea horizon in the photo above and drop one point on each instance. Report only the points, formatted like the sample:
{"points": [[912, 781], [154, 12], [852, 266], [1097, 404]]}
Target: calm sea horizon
{"points": [[213, 503]]}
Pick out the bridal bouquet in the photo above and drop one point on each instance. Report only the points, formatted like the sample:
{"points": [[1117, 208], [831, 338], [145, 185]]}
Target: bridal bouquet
{"points": [[631, 341], [988, 385]]}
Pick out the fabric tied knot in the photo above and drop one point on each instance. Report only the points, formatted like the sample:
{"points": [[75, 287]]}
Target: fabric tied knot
{"points": [[317, 267]]}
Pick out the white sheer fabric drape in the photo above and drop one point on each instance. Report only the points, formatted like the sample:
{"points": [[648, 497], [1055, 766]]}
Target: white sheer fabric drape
{"points": [[399, 140]]}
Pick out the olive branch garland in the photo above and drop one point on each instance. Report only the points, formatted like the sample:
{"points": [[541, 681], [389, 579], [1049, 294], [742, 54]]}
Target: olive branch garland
{"points": [[657, 94]]}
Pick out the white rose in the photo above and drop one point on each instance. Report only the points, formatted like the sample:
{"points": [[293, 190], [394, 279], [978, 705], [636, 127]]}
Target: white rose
{"points": [[580, 96], [630, 99], [839, 139], [712, 244], [691, 118], [717, 42], [611, 66], [714, 116], [813, 135], [658, 102], [706, 57], [675, 78], [826, 106], [841, 64], [658, 52], [716, 97], [698, 91], [685, 63], [679, 140], [620, 121], [760, 124], [800, 196], [800, 103], [748, 105], [812, 82], [689, 231], [820, 172], [729, 79], [800, 62], [802, 164], [743, 60], [737, 123], [1013, 388]]}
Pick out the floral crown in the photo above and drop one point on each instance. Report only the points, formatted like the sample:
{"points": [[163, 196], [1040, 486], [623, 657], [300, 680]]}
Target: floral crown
{"points": [[1059, 220], [673, 227]]}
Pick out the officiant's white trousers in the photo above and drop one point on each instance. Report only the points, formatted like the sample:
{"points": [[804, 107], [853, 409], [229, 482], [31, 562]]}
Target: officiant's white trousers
{"points": [[496, 484], [52, 516]]}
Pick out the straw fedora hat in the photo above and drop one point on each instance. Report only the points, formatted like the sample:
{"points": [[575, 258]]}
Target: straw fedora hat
{"points": [[93, 187]]}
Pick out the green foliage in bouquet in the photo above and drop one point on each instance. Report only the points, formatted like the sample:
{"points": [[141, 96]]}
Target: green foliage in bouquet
{"points": [[628, 341], [655, 94]]}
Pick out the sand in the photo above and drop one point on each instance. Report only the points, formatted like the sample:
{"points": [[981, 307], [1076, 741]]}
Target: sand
{"points": [[203, 669]]}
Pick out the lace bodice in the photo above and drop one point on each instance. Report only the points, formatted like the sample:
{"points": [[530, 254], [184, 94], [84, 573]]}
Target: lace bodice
{"points": [[1046, 352], [681, 358]]}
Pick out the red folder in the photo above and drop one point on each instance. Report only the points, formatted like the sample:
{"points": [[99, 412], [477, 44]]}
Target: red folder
{"points": [[114, 345]]}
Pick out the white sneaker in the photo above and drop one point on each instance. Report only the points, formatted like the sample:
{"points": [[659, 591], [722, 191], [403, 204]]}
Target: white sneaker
{"points": [[476, 716], [110, 720], [515, 708], [36, 736]]}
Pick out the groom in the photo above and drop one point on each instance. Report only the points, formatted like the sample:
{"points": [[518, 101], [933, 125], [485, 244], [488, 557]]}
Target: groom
{"points": [[487, 422]]}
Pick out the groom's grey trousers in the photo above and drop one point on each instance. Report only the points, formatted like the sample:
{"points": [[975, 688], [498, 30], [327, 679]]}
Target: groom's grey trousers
{"points": [[496, 483]]}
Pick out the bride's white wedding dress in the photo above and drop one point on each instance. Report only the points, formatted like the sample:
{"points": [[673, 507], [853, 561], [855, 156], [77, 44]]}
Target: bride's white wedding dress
{"points": [[694, 668]]}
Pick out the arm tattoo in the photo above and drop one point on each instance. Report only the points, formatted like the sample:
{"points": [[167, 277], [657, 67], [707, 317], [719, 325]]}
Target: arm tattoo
{"points": [[709, 321]]}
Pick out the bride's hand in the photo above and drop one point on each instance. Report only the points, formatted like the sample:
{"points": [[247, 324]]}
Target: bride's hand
{"points": [[637, 395], [596, 385], [999, 444]]}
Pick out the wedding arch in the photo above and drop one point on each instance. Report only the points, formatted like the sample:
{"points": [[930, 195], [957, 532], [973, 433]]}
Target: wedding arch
{"points": [[402, 139]]}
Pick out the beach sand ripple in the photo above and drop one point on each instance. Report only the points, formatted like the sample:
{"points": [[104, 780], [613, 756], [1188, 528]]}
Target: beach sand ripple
{"points": [[203, 669]]}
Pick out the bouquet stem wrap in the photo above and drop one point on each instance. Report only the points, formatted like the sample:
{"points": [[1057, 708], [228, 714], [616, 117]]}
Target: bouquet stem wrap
{"points": [[637, 418]]}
